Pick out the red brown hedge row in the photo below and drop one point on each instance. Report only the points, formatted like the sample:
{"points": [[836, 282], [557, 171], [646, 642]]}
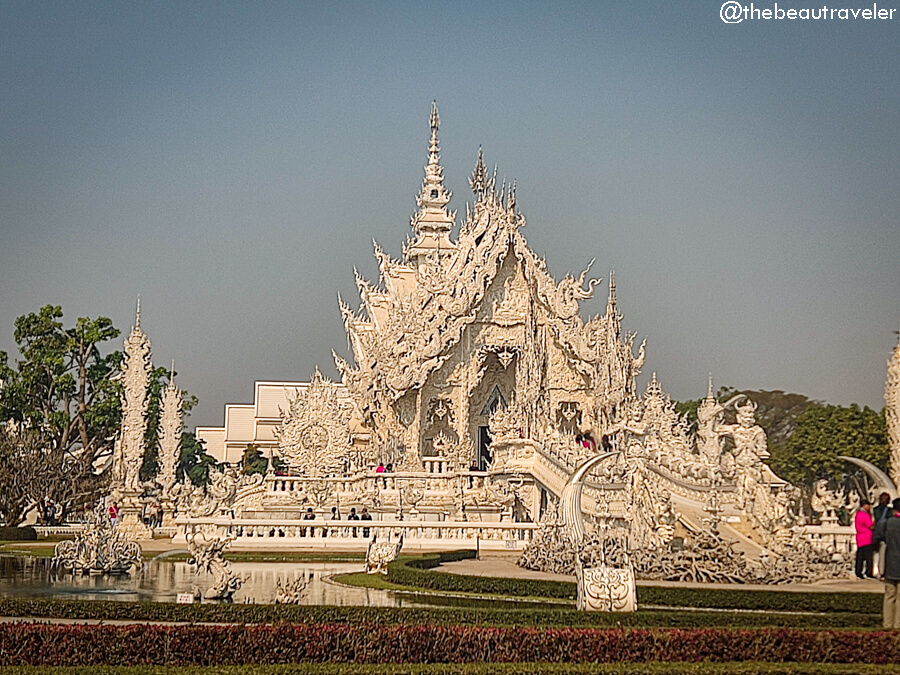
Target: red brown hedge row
{"points": [[81, 645]]}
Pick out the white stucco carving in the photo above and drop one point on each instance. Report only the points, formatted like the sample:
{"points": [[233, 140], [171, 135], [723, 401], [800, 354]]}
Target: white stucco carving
{"points": [[171, 428], [136, 372], [892, 412], [313, 435]]}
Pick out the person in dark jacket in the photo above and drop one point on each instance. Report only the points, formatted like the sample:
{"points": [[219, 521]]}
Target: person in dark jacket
{"points": [[888, 531]]}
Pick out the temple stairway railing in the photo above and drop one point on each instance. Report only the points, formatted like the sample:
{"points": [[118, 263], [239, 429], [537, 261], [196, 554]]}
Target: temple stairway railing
{"points": [[250, 533]]}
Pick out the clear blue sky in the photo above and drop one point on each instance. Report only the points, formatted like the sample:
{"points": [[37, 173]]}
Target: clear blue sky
{"points": [[232, 161]]}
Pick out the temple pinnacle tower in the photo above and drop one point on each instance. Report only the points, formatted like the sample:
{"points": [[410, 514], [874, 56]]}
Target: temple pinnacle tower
{"points": [[432, 222]]}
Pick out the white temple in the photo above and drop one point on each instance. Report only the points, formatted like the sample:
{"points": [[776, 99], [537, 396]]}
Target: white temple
{"points": [[472, 373]]}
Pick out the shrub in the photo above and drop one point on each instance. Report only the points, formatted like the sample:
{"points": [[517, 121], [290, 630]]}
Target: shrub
{"points": [[551, 616], [18, 534], [412, 572], [416, 572], [42, 644]]}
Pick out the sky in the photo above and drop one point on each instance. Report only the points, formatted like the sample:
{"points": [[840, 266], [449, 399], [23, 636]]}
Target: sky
{"points": [[231, 163]]}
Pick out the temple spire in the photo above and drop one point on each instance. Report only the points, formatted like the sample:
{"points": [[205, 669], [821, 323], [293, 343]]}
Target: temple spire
{"points": [[478, 181], [432, 223], [611, 302], [137, 313]]}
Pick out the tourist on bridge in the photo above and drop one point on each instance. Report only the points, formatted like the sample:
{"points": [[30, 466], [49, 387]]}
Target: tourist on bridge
{"points": [[365, 515], [353, 516], [888, 531], [309, 515]]}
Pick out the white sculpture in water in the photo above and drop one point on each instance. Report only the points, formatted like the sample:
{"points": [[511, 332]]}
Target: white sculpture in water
{"points": [[207, 548], [99, 548]]}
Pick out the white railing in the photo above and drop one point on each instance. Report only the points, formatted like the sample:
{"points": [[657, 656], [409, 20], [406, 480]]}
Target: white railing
{"points": [[58, 530], [342, 534]]}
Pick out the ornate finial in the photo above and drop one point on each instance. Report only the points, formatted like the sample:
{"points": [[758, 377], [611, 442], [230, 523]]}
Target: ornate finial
{"points": [[653, 388], [432, 223], [709, 390], [478, 181], [435, 120], [137, 313], [172, 373], [611, 300], [511, 198]]}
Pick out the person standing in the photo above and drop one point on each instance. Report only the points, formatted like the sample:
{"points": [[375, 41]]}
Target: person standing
{"points": [[365, 515], [113, 514], [353, 516], [888, 531], [309, 515], [881, 511], [864, 525]]}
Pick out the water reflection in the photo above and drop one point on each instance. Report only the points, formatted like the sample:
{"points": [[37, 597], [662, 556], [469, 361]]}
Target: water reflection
{"points": [[163, 580]]}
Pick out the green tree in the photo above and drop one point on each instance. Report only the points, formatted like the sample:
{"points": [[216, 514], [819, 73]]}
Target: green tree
{"points": [[63, 393], [23, 461], [62, 389], [194, 463], [253, 461], [822, 434]]}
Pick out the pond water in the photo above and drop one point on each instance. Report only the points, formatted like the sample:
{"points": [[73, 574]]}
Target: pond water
{"points": [[163, 580]]}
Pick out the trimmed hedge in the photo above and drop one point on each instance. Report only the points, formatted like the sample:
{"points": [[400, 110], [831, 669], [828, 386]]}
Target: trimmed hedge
{"points": [[442, 616], [18, 533], [657, 668], [413, 572], [771, 601], [416, 572], [43, 644]]}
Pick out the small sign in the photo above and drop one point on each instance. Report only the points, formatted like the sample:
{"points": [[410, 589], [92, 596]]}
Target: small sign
{"points": [[185, 599], [511, 543]]}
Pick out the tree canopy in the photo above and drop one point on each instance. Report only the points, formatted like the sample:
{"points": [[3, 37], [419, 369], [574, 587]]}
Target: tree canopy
{"points": [[60, 405], [822, 434], [62, 396]]}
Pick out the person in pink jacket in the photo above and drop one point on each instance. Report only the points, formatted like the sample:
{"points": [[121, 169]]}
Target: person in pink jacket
{"points": [[864, 524]]}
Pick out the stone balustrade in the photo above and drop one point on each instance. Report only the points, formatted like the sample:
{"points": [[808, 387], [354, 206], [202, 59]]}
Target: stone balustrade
{"points": [[251, 533], [437, 476]]}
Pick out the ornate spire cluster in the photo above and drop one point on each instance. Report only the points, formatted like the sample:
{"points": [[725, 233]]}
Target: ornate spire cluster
{"points": [[171, 428], [479, 180], [892, 411], [136, 374], [432, 223]]}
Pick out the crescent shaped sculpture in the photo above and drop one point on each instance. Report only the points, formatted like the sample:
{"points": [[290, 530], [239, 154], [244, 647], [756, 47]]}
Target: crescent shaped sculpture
{"points": [[879, 477], [570, 500]]}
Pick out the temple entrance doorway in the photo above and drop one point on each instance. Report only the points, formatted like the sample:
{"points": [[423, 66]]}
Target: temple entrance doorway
{"points": [[484, 449]]}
